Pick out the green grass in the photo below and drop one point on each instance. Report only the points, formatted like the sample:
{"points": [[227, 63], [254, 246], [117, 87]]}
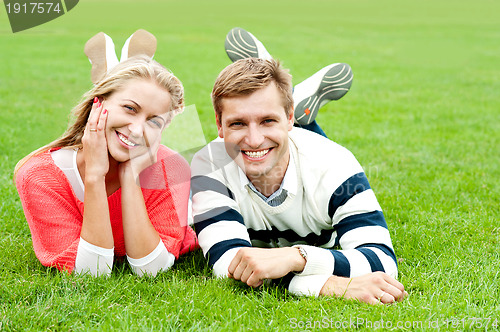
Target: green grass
{"points": [[422, 118]]}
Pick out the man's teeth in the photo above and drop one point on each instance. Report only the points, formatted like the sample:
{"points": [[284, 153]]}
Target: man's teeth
{"points": [[256, 154], [125, 140]]}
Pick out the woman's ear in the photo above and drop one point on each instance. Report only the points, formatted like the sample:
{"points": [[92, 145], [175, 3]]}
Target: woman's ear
{"points": [[100, 50]]}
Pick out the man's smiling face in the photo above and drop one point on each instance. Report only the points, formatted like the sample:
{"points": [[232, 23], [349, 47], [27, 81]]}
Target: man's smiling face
{"points": [[255, 131]]}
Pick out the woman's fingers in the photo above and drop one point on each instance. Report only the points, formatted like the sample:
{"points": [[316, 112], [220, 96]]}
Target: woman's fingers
{"points": [[94, 115], [152, 143], [94, 141], [97, 119], [101, 125]]}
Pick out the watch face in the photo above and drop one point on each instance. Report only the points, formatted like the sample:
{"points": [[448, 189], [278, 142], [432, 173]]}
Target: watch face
{"points": [[302, 252]]}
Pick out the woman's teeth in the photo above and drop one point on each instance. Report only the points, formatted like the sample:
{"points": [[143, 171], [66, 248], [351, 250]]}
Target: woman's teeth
{"points": [[256, 154], [125, 140]]}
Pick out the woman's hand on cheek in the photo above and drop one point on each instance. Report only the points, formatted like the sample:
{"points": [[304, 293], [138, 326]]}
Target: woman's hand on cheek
{"points": [[140, 158], [95, 147]]}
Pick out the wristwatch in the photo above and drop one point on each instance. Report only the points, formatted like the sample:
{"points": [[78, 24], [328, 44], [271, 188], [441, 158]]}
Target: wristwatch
{"points": [[302, 252]]}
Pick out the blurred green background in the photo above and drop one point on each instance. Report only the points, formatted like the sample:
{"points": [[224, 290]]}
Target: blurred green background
{"points": [[422, 117]]}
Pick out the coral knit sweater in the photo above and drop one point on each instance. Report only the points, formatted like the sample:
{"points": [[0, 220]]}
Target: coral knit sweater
{"points": [[55, 215]]}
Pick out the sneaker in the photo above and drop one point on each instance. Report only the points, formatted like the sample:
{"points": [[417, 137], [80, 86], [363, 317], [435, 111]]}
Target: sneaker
{"points": [[241, 44], [140, 42], [100, 50], [330, 83]]}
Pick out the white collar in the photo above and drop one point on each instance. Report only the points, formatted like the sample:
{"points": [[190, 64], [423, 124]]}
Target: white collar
{"points": [[289, 182]]}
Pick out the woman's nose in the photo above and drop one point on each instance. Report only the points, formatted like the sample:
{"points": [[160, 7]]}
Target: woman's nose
{"points": [[136, 128]]}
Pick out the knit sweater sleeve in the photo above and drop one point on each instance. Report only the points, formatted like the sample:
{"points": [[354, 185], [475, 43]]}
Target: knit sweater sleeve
{"points": [[53, 213], [217, 219], [166, 187], [358, 241]]}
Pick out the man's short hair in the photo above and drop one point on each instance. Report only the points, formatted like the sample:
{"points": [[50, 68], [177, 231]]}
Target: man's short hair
{"points": [[246, 76]]}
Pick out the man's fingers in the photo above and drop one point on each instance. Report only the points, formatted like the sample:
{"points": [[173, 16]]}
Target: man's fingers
{"points": [[393, 292], [397, 289], [254, 280], [386, 298], [394, 288], [234, 263], [404, 296], [393, 282], [239, 270], [245, 276]]}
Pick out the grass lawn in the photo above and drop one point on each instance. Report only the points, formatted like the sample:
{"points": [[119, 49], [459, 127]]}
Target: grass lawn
{"points": [[422, 117]]}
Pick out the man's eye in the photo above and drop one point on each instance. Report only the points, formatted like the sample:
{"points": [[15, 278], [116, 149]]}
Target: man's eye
{"points": [[236, 124], [269, 121]]}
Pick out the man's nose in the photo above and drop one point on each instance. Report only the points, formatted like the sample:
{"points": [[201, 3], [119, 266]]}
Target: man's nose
{"points": [[254, 136]]}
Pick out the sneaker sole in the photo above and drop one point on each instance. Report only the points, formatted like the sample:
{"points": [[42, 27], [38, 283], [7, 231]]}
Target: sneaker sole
{"points": [[333, 82], [241, 44], [101, 52], [140, 42]]}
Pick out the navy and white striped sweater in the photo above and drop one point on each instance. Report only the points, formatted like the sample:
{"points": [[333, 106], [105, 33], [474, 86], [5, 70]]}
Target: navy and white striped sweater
{"points": [[330, 210]]}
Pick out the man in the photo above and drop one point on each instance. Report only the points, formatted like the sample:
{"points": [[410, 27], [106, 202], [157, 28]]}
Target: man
{"points": [[274, 201]]}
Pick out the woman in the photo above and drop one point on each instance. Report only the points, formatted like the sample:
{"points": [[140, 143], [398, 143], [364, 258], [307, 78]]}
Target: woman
{"points": [[82, 195]]}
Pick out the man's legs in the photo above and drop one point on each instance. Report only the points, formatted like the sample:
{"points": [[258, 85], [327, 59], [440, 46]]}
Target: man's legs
{"points": [[329, 83], [314, 127], [241, 44]]}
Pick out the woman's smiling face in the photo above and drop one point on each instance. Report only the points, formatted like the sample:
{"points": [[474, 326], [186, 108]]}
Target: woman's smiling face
{"points": [[137, 115]]}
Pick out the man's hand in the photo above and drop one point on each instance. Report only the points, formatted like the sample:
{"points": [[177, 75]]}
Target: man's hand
{"points": [[372, 288], [253, 265]]}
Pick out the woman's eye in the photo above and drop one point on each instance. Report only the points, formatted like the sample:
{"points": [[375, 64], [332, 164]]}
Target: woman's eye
{"points": [[155, 122], [130, 108]]}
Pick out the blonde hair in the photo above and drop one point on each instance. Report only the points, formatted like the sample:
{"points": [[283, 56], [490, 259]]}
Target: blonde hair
{"points": [[137, 67], [246, 76]]}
